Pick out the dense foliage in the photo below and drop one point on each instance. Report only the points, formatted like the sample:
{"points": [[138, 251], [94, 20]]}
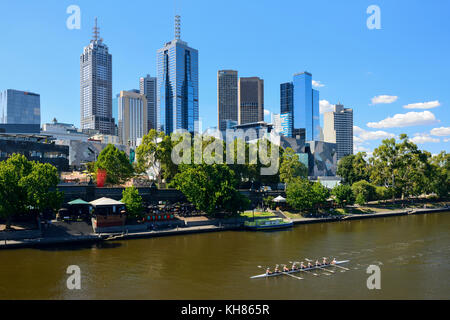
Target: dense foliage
{"points": [[302, 194], [25, 186], [116, 163], [133, 202]]}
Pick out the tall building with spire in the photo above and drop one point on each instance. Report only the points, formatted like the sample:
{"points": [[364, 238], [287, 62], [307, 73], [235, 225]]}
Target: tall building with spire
{"points": [[96, 86], [177, 85]]}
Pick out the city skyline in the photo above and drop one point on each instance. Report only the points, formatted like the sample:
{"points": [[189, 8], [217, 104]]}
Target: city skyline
{"points": [[378, 82]]}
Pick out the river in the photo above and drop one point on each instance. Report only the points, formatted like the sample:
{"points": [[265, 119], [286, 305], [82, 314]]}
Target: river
{"points": [[413, 253]]}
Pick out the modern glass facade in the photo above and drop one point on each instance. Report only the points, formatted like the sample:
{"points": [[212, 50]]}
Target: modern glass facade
{"points": [[302, 101], [286, 124], [177, 87], [20, 107]]}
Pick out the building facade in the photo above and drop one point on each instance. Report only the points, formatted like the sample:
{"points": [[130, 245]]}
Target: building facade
{"points": [[132, 117], [227, 97], [96, 86], [147, 86], [299, 105], [306, 106], [20, 111], [251, 100], [177, 85], [35, 147], [338, 128]]}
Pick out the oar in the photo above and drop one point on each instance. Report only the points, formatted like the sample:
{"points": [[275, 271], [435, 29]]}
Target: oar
{"points": [[290, 275], [307, 271], [340, 267], [316, 267]]}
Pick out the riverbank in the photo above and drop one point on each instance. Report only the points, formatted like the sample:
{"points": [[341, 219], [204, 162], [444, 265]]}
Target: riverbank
{"points": [[215, 226]]}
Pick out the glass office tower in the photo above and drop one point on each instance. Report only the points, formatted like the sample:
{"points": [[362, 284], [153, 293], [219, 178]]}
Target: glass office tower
{"points": [[286, 108], [20, 107], [177, 85], [306, 106]]}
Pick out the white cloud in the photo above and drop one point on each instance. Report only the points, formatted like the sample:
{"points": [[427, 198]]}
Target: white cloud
{"points": [[317, 84], [421, 139], [365, 135], [384, 99], [266, 112], [325, 106], [405, 120], [440, 132], [423, 105]]}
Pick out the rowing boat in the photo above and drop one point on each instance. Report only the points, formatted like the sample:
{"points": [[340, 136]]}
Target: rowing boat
{"points": [[274, 274]]}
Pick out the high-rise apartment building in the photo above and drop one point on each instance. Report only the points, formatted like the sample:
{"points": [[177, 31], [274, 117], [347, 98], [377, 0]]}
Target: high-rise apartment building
{"points": [[20, 111], [147, 86], [177, 85], [227, 97], [132, 117], [251, 100], [338, 128], [96, 86]]}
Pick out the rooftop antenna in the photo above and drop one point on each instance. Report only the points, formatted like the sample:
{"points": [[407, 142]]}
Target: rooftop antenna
{"points": [[96, 31], [177, 27]]}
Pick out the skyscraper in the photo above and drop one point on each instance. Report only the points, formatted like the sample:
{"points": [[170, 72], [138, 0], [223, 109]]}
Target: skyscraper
{"points": [[96, 86], [20, 111], [286, 108], [147, 87], [132, 117], [251, 100], [306, 106], [338, 128], [227, 97], [299, 107], [177, 85]]}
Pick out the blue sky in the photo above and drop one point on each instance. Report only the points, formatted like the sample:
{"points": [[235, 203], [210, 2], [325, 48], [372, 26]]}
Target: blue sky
{"points": [[406, 62]]}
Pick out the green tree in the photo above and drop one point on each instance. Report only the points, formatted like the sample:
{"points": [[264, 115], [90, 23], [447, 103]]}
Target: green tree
{"points": [[154, 155], [211, 188], [13, 192], [439, 180], [383, 193], [302, 194], [400, 166], [41, 184], [353, 168], [291, 166], [343, 195], [116, 163], [133, 202], [363, 192]]}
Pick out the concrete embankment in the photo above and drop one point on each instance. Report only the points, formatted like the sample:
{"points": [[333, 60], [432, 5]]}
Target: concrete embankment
{"points": [[213, 227]]}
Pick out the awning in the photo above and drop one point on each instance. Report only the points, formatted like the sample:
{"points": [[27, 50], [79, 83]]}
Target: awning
{"points": [[279, 199], [78, 201], [105, 202]]}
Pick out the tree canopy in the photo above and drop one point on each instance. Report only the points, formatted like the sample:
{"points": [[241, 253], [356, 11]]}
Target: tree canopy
{"points": [[116, 163]]}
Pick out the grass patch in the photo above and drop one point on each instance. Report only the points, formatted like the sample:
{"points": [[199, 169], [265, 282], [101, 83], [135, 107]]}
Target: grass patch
{"points": [[249, 214]]}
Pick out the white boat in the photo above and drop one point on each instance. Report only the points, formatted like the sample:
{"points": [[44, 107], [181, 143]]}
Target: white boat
{"points": [[275, 274]]}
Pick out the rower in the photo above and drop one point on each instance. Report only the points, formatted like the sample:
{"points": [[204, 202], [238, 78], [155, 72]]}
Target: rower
{"points": [[268, 271], [293, 266], [285, 269], [276, 269], [334, 261], [317, 263], [309, 264], [324, 262], [302, 266]]}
